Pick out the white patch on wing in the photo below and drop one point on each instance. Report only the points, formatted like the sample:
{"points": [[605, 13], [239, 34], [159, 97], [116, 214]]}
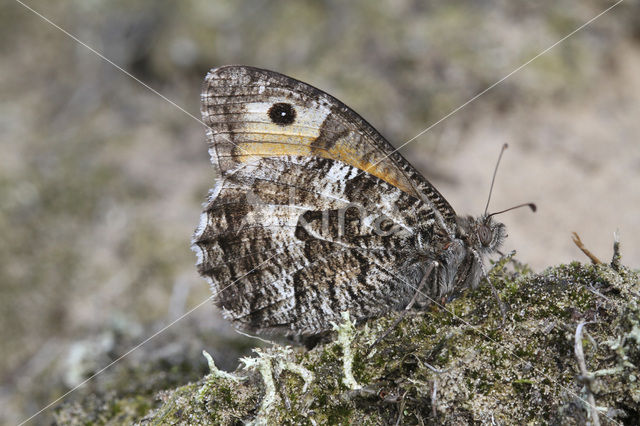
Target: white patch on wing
{"points": [[354, 173], [307, 122], [271, 215], [338, 171]]}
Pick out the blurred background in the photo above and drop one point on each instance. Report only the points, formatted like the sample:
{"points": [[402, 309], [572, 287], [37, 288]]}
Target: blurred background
{"points": [[101, 180]]}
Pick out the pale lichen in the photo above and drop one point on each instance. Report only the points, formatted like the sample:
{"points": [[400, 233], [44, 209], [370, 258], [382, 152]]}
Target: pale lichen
{"points": [[216, 373], [214, 376], [346, 332], [270, 363], [262, 364], [285, 363]]}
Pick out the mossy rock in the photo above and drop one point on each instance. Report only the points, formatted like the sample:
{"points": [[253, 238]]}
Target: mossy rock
{"points": [[459, 363]]}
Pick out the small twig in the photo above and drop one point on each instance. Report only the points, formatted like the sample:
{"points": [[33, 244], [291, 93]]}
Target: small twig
{"points": [[503, 309], [401, 409], [364, 392], [615, 261], [287, 401], [423, 364], [550, 326], [434, 399], [251, 336], [597, 293], [435, 370], [578, 242], [579, 352]]}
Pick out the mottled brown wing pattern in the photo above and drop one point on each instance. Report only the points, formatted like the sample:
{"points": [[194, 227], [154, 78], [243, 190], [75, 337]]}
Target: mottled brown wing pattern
{"points": [[263, 231], [278, 226]]}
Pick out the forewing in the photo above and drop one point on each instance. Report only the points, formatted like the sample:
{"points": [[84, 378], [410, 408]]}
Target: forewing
{"points": [[237, 107]]}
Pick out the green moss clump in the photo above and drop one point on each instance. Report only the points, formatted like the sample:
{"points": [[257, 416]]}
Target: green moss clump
{"points": [[457, 364]]}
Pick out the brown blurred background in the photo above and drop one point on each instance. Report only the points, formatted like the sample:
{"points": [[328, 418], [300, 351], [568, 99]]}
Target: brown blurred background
{"points": [[101, 180]]}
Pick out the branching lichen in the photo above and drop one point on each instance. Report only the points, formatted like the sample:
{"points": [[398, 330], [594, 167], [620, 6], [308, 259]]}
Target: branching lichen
{"points": [[284, 363], [262, 364], [214, 375], [346, 332]]}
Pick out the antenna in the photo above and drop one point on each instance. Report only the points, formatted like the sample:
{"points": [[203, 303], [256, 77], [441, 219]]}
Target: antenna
{"points": [[530, 205], [493, 179]]}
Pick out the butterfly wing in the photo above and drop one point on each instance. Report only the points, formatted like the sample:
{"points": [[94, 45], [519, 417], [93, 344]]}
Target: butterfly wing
{"points": [[237, 106], [313, 214]]}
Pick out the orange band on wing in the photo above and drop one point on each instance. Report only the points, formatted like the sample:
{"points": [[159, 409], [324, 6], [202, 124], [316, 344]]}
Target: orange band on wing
{"points": [[276, 145]]}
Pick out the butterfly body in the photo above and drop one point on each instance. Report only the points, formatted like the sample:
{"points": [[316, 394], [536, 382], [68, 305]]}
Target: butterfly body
{"points": [[313, 212]]}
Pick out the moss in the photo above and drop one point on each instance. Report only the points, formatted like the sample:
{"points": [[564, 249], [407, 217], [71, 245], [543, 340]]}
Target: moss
{"points": [[516, 369]]}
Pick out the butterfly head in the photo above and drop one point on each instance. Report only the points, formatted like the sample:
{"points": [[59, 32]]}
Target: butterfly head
{"points": [[482, 235], [488, 234]]}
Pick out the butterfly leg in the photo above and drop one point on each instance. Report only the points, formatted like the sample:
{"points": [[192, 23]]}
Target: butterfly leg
{"points": [[404, 312], [499, 265], [311, 341]]}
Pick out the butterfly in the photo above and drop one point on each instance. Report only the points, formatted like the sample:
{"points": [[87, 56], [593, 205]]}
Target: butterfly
{"points": [[314, 213]]}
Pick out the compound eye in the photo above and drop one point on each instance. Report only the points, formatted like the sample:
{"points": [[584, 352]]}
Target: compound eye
{"points": [[484, 234]]}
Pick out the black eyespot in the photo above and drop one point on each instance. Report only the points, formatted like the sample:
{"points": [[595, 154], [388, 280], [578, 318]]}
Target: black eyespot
{"points": [[282, 114]]}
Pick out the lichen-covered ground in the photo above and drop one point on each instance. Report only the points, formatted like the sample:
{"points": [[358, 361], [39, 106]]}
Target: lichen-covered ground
{"points": [[459, 363]]}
